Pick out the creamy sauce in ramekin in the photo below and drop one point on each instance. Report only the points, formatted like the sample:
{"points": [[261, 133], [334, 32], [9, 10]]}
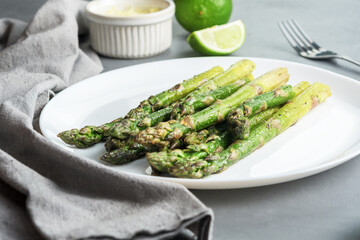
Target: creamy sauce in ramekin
{"points": [[130, 10]]}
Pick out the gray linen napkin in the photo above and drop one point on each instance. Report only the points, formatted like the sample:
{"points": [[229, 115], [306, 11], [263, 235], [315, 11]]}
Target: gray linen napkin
{"points": [[68, 197]]}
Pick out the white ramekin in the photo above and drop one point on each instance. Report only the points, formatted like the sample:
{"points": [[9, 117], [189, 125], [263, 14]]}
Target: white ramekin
{"points": [[135, 36]]}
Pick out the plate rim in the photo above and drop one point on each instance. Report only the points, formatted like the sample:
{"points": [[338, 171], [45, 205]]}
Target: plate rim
{"points": [[206, 183]]}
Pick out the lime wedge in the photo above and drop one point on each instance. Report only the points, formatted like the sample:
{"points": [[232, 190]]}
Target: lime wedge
{"points": [[218, 40]]}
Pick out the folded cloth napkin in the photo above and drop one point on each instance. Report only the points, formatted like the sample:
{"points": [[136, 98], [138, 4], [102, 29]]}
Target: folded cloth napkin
{"points": [[69, 197]]}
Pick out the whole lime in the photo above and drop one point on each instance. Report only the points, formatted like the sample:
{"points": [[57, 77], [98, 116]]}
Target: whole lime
{"points": [[194, 15]]}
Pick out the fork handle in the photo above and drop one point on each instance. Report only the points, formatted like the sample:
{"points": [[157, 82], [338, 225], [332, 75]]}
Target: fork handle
{"points": [[349, 60]]}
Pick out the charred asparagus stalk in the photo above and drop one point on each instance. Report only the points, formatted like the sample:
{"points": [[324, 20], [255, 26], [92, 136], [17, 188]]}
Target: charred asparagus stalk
{"points": [[123, 151], [130, 127], [88, 135], [123, 155], [240, 120], [156, 117], [273, 98], [182, 89], [164, 133], [199, 137], [288, 115], [173, 94], [164, 161], [240, 127], [201, 101], [239, 70]]}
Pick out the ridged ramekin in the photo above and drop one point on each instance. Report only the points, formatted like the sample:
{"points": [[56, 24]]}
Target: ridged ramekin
{"points": [[137, 36]]}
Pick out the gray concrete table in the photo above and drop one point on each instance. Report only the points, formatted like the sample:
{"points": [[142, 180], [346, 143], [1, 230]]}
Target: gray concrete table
{"points": [[324, 206]]}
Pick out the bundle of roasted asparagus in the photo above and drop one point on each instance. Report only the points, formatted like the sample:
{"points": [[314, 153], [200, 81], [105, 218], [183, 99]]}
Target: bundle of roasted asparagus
{"points": [[206, 123]]}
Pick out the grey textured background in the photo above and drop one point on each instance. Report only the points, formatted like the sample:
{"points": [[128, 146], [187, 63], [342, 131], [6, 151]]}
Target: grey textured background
{"points": [[324, 206]]}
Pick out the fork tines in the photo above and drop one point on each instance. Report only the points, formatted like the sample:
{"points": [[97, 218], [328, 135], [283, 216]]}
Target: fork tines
{"points": [[306, 47], [298, 39]]}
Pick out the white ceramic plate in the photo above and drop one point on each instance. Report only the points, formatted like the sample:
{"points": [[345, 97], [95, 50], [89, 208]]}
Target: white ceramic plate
{"points": [[326, 137]]}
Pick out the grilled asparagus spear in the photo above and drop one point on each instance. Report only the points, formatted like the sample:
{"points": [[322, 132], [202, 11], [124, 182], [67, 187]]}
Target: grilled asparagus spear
{"points": [[123, 155], [199, 137], [239, 70], [164, 133], [239, 119], [240, 126], [182, 89], [88, 135], [201, 101], [123, 151], [288, 115], [173, 94], [163, 161]]}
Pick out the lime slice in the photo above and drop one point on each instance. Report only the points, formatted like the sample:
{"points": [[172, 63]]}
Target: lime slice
{"points": [[218, 40]]}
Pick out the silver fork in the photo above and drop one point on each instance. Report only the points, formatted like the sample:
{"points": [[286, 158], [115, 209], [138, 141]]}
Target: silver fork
{"points": [[303, 44]]}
